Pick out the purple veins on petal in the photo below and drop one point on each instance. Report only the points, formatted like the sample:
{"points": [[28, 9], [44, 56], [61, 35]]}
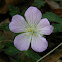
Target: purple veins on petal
{"points": [[44, 27], [22, 42], [39, 44], [33, 15], [17, 24]]}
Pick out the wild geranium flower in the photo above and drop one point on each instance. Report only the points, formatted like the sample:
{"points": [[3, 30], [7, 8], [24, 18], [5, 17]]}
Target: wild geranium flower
{"points": [[32, 30]]}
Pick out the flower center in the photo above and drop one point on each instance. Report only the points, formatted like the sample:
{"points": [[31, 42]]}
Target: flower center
{"points": [[31, 30]]}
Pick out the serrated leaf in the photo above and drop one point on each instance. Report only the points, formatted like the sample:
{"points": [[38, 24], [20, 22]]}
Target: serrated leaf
{"points": [[52, 17], [4, 26], [57, 27], [13, 10], [32, 54], [11, 50], [38, 3]]}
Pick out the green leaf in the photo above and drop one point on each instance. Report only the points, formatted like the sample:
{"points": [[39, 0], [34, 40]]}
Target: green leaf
{"points": [[2, 37], [8, 44], [32, 54], [38, 3], [11, 50], [4, 26], [21, 57], [1, 46], [13, 10], [57, 27], [23, 12], [52, 17]]}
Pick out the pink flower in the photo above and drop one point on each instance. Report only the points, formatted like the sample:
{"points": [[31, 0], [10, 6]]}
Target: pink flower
{"points": [[32, 30]]}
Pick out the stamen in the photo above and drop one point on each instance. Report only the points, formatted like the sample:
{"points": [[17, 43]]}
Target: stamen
{"points": [[31, 31], [29, 34], [41, 34], [25, 26], [26, 30]]}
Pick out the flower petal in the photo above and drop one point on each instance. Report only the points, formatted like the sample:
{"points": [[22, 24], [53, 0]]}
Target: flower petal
{"points": [[46, 30], [33, 15], [43, 22], [17, 24], [22, 41], [39, 44]]}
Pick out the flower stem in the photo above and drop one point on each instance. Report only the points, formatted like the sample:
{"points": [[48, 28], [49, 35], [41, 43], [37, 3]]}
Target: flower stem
{"points": [[49, 52]]}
